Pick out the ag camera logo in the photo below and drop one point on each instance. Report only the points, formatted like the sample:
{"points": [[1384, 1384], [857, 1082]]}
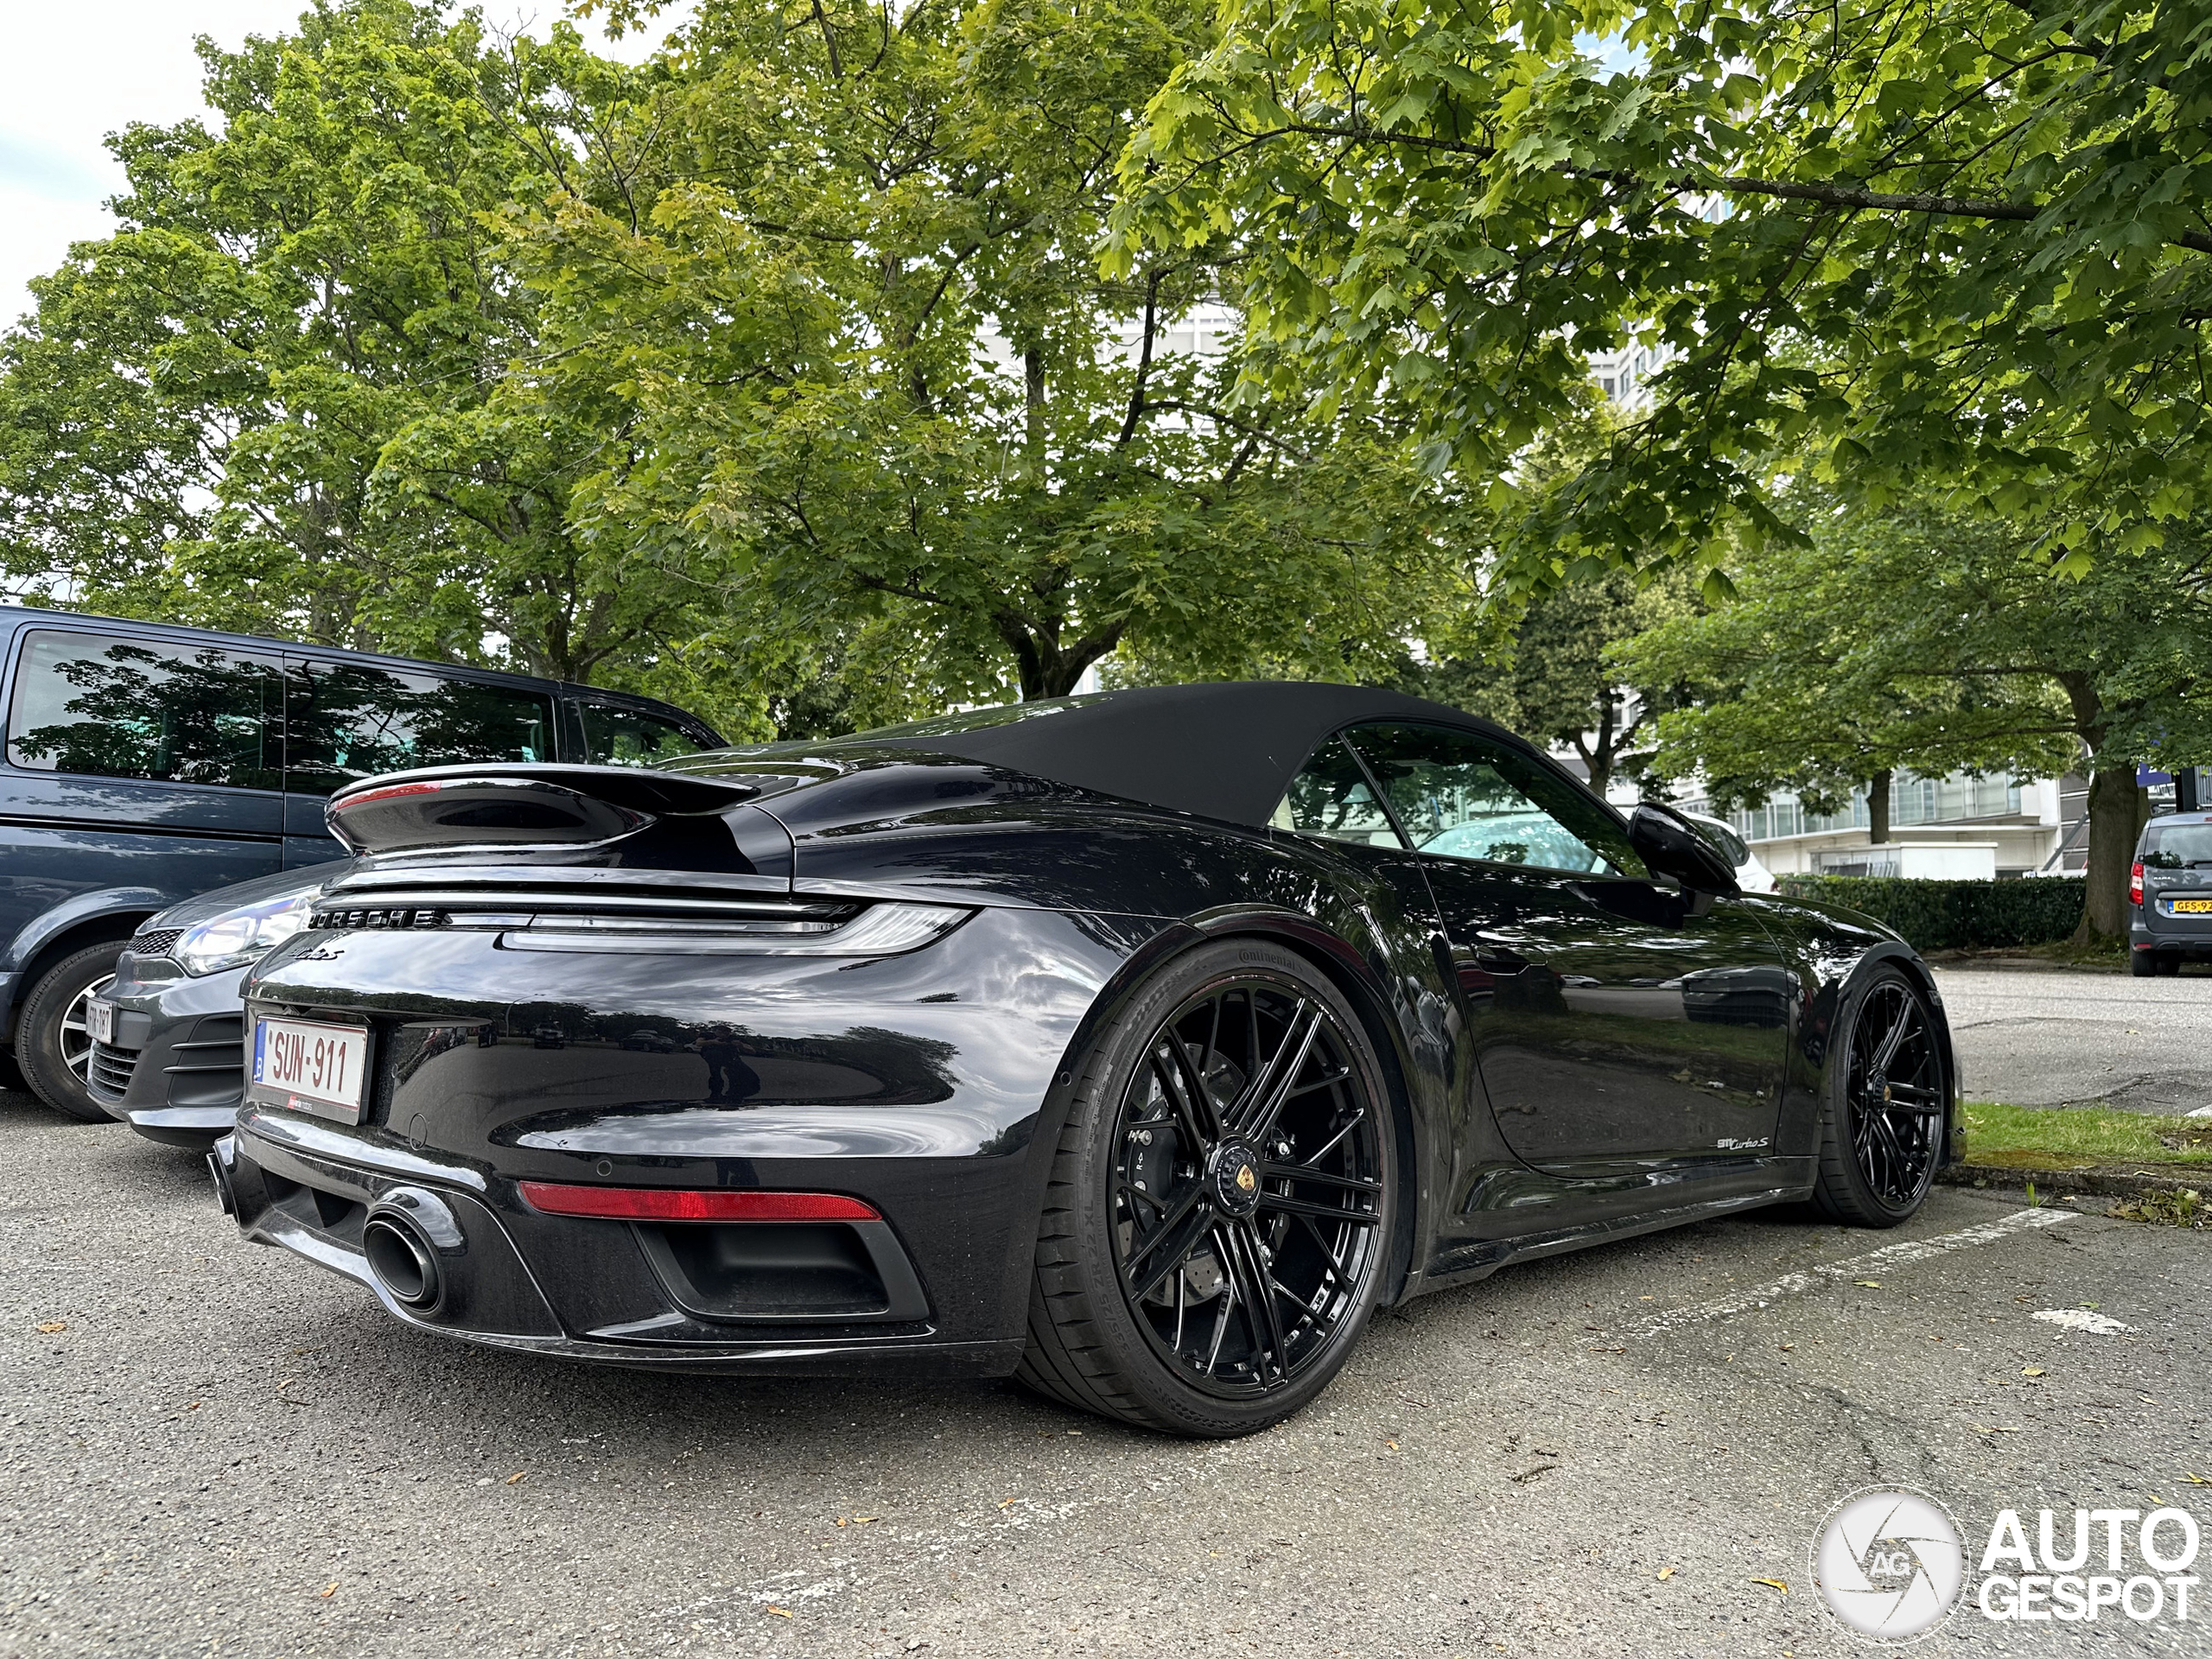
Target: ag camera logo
{"points": [[1889, 1563]]}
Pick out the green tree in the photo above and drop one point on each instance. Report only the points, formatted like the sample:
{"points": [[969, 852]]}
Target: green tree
{"points": [[1552, 673], [1959, 243], [1938, 641], [846, 331], [272, 399]]}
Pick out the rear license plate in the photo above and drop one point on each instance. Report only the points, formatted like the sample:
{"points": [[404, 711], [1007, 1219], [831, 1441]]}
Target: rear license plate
{"points": [[99, 1015], [2188, 906], [310, 1066]]}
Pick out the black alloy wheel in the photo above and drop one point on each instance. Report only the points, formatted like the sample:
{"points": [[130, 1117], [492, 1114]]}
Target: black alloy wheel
{"points": [[1221, 1201], [1888, 1106]]}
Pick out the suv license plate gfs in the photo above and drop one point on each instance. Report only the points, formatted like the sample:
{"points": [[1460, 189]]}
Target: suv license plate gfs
{"points": [[308, 1066]]}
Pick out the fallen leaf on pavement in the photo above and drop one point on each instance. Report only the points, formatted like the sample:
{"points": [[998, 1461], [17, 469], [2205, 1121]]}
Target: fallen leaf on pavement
{"points": [[1666, 1573], [1008, 1501], [2032, 1370], [1868, 1284], [1393, 1445], [516, 1476], [780, 1613], [2196, 1480], [327, 1590], [1773, 1584], [53, 1326]]}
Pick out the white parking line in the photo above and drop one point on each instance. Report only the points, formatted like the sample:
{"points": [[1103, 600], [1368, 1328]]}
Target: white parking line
{"points": [[1890, 1256]]}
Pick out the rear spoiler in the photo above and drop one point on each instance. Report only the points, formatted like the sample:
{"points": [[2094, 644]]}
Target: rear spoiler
{"points": [[448, 809]]}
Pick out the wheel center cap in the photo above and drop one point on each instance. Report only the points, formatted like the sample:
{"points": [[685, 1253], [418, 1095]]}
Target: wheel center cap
{"points": [[1878, 1086], [1235, 1177]]}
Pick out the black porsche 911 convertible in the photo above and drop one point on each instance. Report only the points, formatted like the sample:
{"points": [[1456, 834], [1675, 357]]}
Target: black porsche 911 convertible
{"points": [[1141, 1045]]}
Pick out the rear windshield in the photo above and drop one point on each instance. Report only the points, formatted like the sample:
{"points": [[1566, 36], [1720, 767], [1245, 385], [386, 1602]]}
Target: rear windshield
{"points": [[2177, 846]]}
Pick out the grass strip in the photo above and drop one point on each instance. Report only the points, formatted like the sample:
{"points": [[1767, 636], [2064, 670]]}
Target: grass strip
{"points": [[2080, 1137]]}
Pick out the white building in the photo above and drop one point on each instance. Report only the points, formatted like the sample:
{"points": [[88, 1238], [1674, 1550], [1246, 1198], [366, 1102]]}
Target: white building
{"points": [[1961, 828]]}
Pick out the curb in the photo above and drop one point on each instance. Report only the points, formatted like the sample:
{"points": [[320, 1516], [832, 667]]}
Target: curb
{"points": [[2113, 1181]]}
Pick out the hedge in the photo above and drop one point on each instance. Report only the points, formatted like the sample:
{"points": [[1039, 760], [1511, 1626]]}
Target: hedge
{"points": [[1956, 915]]}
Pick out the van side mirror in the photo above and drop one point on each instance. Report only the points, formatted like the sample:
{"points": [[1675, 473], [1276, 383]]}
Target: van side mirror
{"points": [[1671, 845]]}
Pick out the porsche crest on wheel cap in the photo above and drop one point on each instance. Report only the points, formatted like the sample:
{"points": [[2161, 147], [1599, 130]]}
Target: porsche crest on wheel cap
{"points": [[1236, 1177]]}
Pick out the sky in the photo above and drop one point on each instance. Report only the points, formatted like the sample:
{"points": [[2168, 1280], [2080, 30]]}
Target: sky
{"points": [[73, 73]]}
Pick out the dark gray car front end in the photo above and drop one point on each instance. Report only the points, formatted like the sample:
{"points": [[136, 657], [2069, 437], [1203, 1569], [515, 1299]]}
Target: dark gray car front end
{"points": [[172, 1061]]}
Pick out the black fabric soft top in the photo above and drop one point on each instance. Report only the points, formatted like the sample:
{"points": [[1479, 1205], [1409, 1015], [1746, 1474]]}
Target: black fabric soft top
{"points": [[1222, 749]]}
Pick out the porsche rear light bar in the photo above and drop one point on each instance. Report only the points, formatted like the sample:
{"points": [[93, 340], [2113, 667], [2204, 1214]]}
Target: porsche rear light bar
{"points": [[672, 1204]]}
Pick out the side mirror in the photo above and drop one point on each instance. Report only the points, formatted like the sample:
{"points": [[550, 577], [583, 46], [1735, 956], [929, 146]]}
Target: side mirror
{"points": [[1671, 845]]}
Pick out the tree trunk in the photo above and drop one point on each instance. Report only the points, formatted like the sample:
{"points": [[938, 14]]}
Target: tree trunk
{"points": [[2115, 819], [1878, 807], [1044, 667], [1600, 757]]}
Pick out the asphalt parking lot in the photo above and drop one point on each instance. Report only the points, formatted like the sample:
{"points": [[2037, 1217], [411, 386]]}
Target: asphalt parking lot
{"points": [[223, 1451], [2054, 1037]]}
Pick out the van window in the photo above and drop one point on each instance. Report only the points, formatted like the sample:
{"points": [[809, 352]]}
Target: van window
{"points": [[615, 736], [348, 721], [113, 707]]}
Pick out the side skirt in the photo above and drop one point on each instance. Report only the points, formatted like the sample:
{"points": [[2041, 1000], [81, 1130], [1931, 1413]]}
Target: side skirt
{"points": [[1464, 1263]]}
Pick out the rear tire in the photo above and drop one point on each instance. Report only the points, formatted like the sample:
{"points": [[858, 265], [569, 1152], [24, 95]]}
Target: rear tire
{"points": [[1886, 1104], [1221, 1203], [51, 1042]]}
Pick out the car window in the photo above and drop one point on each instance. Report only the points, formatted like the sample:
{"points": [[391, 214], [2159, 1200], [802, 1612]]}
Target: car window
{"points": [[1331, 798], [114, 707], [1460, 796], [615, 736], [2177, 846], [354, 720]]}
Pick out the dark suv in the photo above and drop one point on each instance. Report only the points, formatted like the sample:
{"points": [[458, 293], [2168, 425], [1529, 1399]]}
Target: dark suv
{"points": [[145, 764], [2170, 893]]}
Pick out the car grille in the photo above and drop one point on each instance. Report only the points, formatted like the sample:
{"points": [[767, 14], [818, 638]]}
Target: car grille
{"points": [[155, 942], [109, 1071]]}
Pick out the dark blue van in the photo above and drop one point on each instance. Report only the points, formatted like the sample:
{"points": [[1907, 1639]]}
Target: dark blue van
{"points": [[145, 764]]}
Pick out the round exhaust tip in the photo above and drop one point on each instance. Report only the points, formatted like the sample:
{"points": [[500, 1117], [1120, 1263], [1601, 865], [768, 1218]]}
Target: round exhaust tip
{"points": [[403, 1261]]}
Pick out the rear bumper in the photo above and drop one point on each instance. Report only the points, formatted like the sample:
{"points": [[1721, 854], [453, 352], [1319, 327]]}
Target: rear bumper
{"points": [[512, 1278], [2170, 935]]}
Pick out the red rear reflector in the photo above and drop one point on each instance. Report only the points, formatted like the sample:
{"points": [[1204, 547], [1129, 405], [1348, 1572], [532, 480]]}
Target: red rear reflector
{"points": [[667, 1204], [389, 793]]}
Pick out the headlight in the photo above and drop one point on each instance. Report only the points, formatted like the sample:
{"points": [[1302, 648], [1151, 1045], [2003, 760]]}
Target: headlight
{"points": [[238, 937]]}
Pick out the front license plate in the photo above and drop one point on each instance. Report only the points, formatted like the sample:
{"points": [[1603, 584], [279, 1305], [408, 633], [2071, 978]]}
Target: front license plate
{"points": [[310, 1066], [2188, 906], [99, 1014]]}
